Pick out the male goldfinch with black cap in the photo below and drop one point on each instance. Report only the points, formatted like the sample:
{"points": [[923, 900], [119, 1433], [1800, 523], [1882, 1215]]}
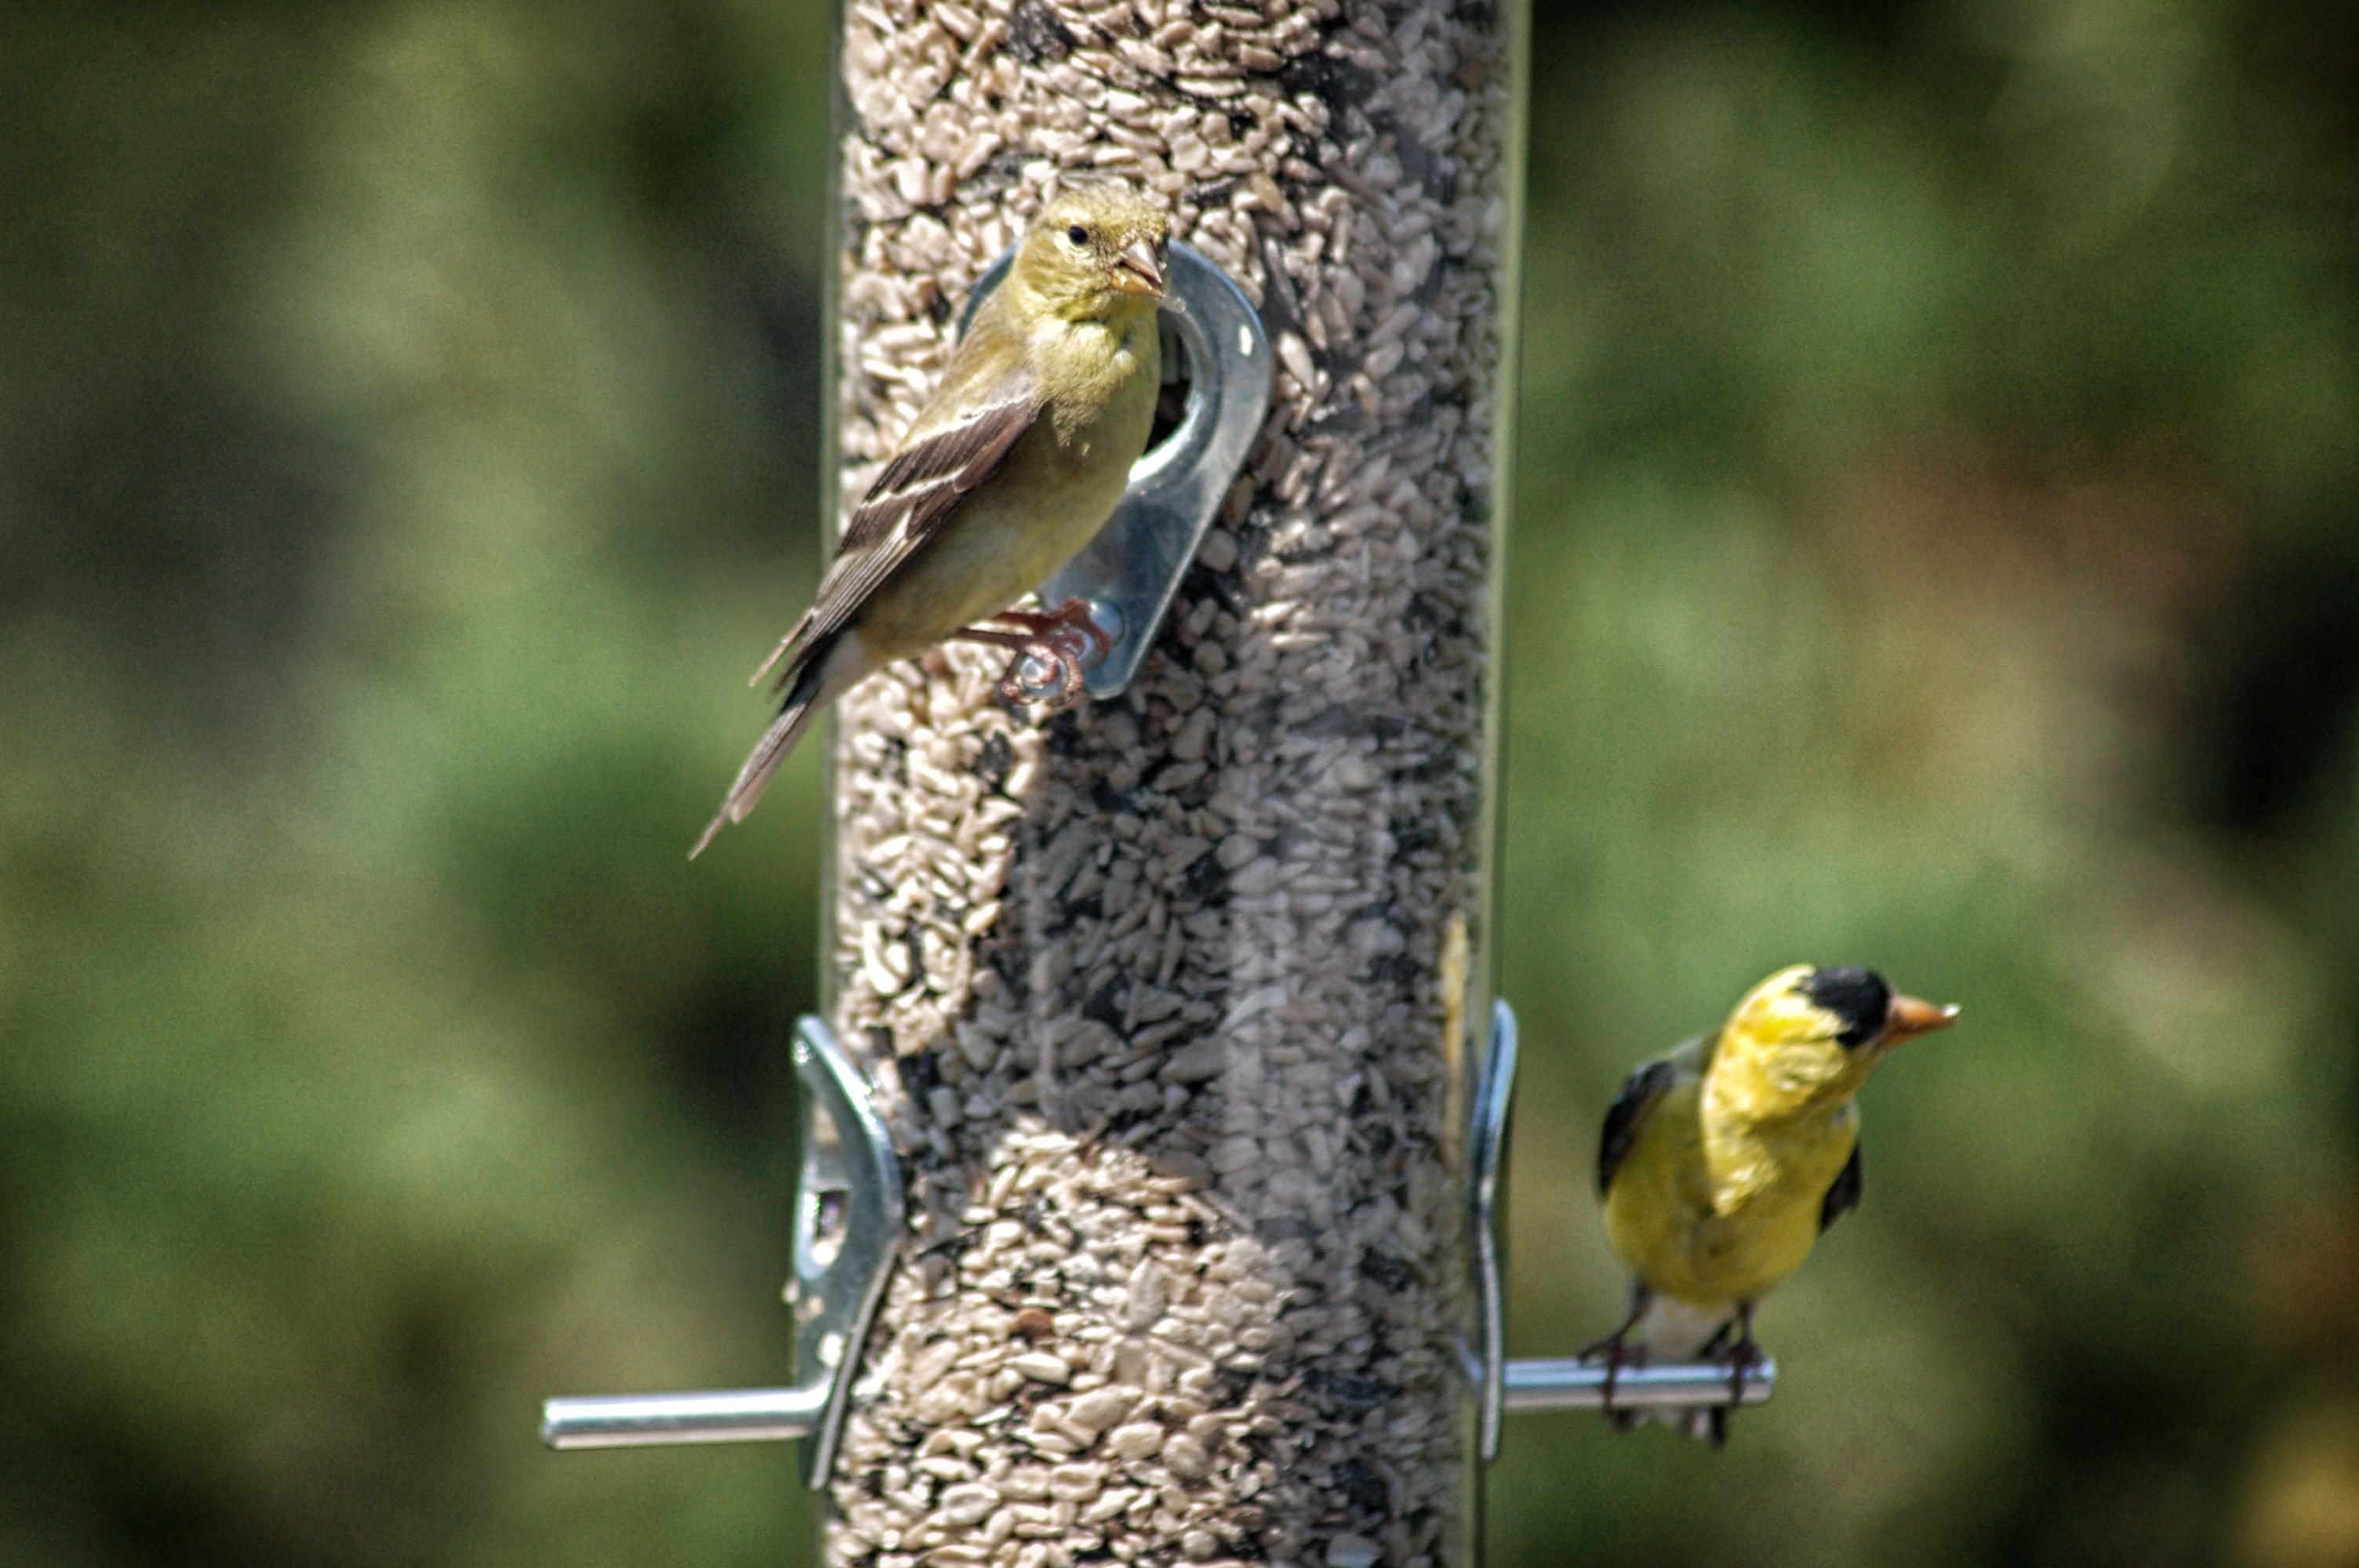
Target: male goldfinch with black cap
{"points": [[1014, 462], [1723, 1162]]}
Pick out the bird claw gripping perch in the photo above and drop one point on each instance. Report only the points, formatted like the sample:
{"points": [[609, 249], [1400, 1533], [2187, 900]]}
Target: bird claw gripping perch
{"points": [[1614, 1353], [1054, 651], [1745, 1357]]}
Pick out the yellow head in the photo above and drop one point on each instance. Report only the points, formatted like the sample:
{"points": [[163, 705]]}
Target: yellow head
{"points": [[1096, 253], [1809, 1035]]}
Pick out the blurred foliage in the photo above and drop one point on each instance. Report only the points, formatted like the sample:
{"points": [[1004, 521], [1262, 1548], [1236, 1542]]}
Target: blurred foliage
{"points": [[1935, 548]]}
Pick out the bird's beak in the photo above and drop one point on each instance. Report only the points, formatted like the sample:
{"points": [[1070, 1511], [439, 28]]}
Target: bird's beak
{"points": [[1910, 1018], [1138, 271]]}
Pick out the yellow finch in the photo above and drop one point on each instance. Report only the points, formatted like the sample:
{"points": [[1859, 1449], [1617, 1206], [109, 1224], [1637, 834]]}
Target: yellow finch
{"points": [[1011, 467], [1723, 1162]]}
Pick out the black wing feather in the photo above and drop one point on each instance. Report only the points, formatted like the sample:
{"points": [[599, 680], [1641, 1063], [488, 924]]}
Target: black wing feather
{"points": [[1640, 1091], [1844, 1197]]}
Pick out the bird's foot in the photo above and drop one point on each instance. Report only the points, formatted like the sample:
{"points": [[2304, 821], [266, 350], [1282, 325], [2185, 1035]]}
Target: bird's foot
{"points": [[1744, 1360], [1044, 668], [1743, 1356], [1051, 651], [1616, 1352], [1071, 616], [1612, 1350]]}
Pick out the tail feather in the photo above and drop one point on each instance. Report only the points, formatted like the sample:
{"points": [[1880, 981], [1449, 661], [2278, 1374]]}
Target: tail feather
{"points": [[815, 685], [785, 644]]}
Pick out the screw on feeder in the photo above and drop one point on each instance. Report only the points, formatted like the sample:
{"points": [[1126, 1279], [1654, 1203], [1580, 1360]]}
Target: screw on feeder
{"points": [[1038, 679]]}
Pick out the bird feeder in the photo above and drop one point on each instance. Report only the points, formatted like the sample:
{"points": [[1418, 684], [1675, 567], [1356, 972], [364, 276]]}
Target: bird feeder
{"points": [[1160, 1038]]}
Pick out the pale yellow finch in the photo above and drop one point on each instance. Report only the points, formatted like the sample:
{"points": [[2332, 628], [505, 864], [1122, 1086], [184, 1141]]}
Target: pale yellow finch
{"points": [[1723, 1162], [1010, 468]]}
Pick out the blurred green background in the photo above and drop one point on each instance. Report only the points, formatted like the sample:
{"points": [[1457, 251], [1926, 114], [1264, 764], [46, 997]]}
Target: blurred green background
{"points": [[1936, 546]]}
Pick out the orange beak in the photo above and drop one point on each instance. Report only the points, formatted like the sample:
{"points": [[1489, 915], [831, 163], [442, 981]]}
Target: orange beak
{"points": [[1910, 1018], [1138, 270]]}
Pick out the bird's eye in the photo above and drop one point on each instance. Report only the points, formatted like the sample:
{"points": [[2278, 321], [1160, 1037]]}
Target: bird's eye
{"points": [[1078, 234]]}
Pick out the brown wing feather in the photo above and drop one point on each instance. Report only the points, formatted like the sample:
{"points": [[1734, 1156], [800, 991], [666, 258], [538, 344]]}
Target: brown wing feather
{"points": [[947, 464], [915, 494]]}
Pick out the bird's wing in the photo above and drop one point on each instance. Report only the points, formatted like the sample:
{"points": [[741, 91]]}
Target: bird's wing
{"points": [[1638, 1095], [1629, 1109], [1844, 1197], [946, 455]]}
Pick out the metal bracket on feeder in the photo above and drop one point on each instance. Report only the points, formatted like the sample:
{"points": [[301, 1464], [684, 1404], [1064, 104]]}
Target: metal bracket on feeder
{"points": [[1557, 1383], [847, 1234], [1487, 1147], [1128, 574]]}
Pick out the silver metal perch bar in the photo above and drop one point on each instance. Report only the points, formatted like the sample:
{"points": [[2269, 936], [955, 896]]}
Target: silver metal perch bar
{"points": [[1566, 1384], [645, 1421], [755, 1415]]}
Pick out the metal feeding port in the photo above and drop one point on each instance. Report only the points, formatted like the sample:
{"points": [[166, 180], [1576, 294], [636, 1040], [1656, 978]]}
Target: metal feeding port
{"points": [[1128, 574], [847, 1232]]}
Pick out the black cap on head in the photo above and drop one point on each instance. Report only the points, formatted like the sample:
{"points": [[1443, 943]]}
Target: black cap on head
{"points": [[1858, 997]]}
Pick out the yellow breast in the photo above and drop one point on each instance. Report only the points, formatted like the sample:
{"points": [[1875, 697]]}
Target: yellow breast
{"points": [[1713, 1216]]}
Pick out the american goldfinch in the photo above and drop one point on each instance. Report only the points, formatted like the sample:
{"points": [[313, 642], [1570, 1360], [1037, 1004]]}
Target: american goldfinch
{"points": [[1014, 462], [1723, 1162]]}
